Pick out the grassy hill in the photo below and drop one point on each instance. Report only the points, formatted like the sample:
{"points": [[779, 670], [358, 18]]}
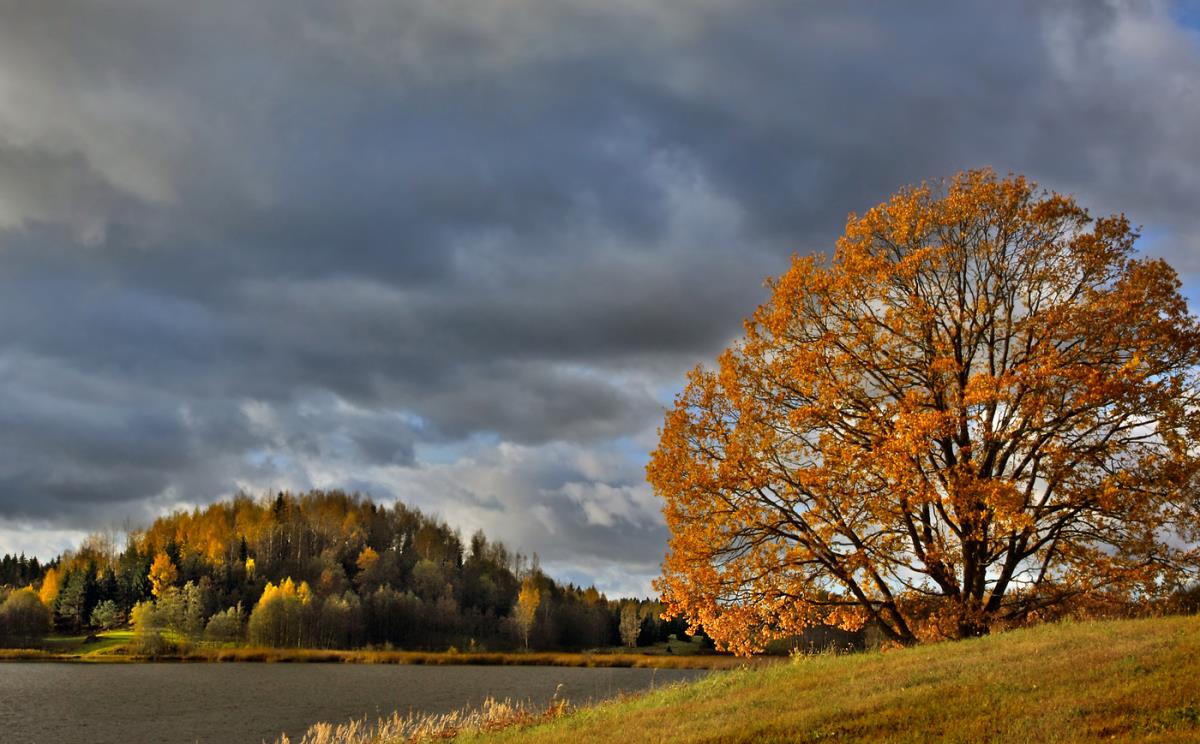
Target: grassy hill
{"points": [[1131, 680]]}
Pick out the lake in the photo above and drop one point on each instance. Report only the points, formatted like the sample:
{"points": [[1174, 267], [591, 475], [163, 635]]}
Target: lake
{"points": [[60, 703]]}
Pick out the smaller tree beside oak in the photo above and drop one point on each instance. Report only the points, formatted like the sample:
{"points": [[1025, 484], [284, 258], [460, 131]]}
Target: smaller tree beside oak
{"points": [[982, 409]]}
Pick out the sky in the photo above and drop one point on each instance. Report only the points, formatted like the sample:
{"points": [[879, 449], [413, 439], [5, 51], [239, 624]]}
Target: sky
{"points": [[462, 253]]}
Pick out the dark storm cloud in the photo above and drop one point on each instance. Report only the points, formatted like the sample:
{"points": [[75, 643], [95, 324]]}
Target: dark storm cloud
{"points": [[291, 244]]}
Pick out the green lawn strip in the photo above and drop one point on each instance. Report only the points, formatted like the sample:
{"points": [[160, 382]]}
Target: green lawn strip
{"points": [[110, 643]]}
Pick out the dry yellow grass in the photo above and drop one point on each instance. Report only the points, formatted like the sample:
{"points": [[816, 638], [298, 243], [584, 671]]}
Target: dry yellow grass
{"points": [[436, 658], [116, 652], [493, 715], [1132, 680], [27, 654]]}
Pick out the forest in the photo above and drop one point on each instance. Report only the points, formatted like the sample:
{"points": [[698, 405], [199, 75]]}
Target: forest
{"points": [[322, 569]]}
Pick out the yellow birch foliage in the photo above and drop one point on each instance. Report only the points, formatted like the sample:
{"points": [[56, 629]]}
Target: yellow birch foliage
{"points": [[162, 574], [982, 407], [278, 618], [525, 612], [50, 587]]}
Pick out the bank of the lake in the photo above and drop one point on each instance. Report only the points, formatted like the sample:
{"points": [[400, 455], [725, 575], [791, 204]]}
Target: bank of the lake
{"points": [[116, 647], [58, 703], [1129, 680]]}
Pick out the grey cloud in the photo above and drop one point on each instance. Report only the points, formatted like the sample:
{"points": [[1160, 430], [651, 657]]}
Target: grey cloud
{"points": [[267, 245], [547, 498], [75, 443]]}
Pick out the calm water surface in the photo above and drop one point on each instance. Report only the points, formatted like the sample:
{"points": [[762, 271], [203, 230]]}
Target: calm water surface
{"points": [[49, 703]]}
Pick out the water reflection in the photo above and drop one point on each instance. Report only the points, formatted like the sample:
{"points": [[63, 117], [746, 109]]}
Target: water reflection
{"points": [[54, 703]]}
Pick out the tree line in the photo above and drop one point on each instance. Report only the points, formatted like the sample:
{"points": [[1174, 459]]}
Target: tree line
{"points": [[322, 569]]}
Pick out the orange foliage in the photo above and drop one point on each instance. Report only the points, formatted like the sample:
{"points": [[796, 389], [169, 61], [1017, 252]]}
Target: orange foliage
{"points": [[50, 587], [367, 559], [981, 408], [162, 574]]}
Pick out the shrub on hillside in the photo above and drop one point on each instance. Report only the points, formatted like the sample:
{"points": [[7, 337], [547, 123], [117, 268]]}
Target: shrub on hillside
{"points": [[24, 620]]}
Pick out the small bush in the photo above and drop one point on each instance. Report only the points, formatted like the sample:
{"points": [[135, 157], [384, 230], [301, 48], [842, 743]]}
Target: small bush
{"points": [[107, 615], [225, 627], [24, 620], [148, 624]]}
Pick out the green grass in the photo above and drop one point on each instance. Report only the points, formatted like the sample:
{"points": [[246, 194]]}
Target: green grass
{"points": [[107, 643], [107, 646], [1132, 680]]}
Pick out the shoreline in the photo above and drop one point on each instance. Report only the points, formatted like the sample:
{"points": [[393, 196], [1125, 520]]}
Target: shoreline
{"points": [[413, 658]]}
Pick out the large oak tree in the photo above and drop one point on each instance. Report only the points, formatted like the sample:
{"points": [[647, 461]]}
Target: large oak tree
{"points": [[981, 407]]}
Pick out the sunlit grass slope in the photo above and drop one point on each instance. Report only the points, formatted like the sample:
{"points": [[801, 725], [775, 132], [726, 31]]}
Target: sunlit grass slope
{"points": [[108, 643], [1133, 680]]}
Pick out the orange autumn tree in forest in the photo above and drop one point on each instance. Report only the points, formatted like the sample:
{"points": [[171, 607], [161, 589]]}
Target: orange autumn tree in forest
{"points": [[982, 407], [162, 574]]}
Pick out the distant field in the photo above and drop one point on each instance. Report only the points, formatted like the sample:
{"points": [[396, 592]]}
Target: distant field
{"points": [[108, 646], [1132, 680]]}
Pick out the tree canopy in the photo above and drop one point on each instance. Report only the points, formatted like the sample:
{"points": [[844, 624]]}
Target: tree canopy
{"points": [[318, 569], [980, 410]]}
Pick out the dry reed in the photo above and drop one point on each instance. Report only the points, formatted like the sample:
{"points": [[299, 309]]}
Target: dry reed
{"points": [[493, 715]]}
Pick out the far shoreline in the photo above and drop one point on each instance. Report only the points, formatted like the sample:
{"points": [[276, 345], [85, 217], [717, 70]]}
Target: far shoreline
{"points": [[411, 658]]}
